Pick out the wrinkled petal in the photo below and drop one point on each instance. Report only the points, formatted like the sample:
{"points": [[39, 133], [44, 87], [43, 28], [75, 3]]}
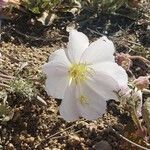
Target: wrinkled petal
{"points": [[99, 51], [57, 74], [68, 108], [125, 92], [113, 70], [78, 42]]}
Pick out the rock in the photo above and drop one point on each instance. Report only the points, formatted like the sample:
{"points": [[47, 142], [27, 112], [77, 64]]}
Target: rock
{"points": [[16, 139], [103, 145], [74, 140], [47, 148], [92, 127], [30, 140], [10, 146]]}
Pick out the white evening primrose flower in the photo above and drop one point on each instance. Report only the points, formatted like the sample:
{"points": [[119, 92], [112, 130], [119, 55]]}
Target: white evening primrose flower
{"points": [[84, 76]]}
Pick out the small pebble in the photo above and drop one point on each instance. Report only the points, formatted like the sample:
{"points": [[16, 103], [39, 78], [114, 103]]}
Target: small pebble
{"points": [[10, 146], [74, 140]]}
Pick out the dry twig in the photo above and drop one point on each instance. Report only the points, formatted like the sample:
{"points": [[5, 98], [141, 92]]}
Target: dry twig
{"points": [[129, 141]]}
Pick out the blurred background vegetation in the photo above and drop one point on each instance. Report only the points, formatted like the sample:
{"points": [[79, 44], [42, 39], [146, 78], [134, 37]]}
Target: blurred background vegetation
{"points": [[38, 6]]}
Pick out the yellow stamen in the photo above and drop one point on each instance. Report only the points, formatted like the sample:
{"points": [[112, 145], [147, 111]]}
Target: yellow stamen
{"points": [[78, 72]]}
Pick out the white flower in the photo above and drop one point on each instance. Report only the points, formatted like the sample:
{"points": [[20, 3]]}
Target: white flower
{"points": [[84, 76]]}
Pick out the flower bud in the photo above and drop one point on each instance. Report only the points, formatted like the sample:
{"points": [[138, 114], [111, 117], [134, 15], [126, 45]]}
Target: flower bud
{"points": [[123, 60], [142, 82], [3, 2]]}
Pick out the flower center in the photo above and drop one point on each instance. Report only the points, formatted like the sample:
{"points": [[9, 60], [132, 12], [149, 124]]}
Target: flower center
{"points": [[77, 72]]}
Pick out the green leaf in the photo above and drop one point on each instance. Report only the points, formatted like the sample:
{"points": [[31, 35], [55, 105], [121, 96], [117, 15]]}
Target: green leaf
{"points": [[35, 10]]}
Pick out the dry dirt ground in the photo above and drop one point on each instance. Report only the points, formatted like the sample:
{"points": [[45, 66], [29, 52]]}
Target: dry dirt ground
{"points": [[25, 47]]}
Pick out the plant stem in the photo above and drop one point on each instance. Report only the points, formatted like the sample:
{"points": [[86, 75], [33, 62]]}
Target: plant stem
{"points": [[131, 142]]}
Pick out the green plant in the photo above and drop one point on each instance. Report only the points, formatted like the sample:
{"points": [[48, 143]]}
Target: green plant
{"points": [[22, 87], [38, 6]]}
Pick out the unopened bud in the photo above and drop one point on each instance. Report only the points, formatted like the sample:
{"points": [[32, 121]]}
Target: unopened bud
{"points": [[3, 2], [123, 60], [142, 82]]}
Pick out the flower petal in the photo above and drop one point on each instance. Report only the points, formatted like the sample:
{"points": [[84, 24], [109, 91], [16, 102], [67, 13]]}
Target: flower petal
{"points": [[104, 85], [68, 108], [56, 81], [93, 94], [78, 42], [93, 106], [114, 70], [59, 56], [99, 51], [57, 74]]}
